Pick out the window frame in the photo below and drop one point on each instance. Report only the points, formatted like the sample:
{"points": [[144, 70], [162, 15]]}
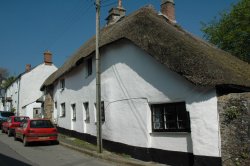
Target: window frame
{"points": [[86, 109], [62, 84], [73, 109], [102, 112], [63, 110], [178, 116], [89, 66]]}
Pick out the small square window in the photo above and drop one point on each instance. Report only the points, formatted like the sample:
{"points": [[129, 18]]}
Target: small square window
{"points": [[170, 117]]}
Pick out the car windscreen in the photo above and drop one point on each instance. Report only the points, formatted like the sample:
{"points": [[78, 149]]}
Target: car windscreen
{"points": [[20, 119], [41, 124], [7, 114]]}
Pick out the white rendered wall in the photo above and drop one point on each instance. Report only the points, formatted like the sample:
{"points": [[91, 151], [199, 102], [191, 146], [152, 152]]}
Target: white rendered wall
{"points": [[131, 81], [30, 87], [12, 91]]}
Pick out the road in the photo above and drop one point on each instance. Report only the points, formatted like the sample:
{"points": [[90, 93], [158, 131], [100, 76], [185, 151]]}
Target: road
{"points": [[13, 153]]}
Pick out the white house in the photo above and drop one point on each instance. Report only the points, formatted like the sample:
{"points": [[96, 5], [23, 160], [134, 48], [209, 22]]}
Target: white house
{"points": [[159, 89], [24, 92]]}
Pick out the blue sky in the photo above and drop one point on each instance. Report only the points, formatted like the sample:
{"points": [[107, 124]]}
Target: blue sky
{"points": [[29, 27]]}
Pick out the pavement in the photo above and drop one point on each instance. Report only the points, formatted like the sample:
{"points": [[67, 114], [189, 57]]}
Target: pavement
{"points": [[89, 149]]}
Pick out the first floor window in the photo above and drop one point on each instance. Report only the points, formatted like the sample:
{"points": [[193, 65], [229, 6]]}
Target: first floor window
{"points": [[62, 113], [73, 107], [62, 84], [170, 117], [89, 66]]}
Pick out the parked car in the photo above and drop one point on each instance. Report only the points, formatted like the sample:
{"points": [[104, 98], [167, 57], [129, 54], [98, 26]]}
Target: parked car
{"points": [[11, 123], [4, 115], [36, 130]]}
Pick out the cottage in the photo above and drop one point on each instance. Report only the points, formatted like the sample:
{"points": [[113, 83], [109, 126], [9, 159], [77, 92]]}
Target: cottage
{"points": [[24, 92], [160, 88]]}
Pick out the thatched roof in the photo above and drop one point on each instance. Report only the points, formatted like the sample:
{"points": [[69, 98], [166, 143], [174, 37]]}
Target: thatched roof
{"points": [[199, 62]]}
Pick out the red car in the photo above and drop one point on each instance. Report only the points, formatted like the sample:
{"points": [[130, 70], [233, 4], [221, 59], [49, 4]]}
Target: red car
{"points": [[36, 130], [12, 123]]}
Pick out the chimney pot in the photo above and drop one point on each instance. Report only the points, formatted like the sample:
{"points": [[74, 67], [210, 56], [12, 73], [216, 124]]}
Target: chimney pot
{"points": [[27, 68], [168, 10], [47, 57], [116, 13]]}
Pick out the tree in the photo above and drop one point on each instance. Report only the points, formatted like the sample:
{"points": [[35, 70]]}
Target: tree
{"points": [[231, 32], [7, 82], [3, 74]]}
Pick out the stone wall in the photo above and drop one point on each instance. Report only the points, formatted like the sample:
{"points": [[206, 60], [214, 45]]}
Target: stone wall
{"points": [[48, 106], [234, 113]]}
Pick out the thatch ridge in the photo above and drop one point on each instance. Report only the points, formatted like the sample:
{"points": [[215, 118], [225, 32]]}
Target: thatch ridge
{"points": [[198, 61]]}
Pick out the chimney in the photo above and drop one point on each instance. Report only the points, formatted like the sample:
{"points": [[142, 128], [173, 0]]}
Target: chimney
{"points": [[47, 57], [27, 68], [115, 14], [168, 10]]}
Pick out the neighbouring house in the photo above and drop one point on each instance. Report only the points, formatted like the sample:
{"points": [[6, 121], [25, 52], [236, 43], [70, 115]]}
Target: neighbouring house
{"points": [[24, 92], [160, 89]]}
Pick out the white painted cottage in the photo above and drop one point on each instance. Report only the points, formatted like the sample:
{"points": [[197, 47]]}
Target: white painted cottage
{"points": [[160, 88], [24, 92]]}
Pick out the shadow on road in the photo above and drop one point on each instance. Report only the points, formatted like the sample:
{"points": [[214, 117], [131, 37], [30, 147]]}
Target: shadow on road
{"points": [[8, 161]]}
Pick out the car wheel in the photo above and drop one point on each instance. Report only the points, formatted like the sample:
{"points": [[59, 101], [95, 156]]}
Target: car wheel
{"points": [[9, 133], [25, 143]]}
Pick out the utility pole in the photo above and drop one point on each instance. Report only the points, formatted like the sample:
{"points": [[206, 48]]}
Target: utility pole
{"points": [[98, 81]]}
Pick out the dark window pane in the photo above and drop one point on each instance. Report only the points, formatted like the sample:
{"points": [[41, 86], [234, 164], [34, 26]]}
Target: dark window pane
{"points": [[170, 117]]}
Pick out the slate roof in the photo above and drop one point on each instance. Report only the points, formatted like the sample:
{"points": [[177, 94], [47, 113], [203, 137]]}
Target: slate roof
{"points": [[199, 62]]}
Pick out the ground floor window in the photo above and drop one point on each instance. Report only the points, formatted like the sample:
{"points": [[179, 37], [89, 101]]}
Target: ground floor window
{"points": [[170, 117], [73, 107], [102, 111], [62, 111], [86, 109]]}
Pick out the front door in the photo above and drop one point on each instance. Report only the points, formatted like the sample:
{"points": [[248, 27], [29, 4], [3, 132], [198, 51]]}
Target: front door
{"points": [[37, 113]]}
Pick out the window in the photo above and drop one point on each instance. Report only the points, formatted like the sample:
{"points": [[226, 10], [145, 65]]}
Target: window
{"points": [[41, 124], [86, 109], [62, 84], [62, 113], [102, 111], [89, 64], [55, 105], [73, 107], [170, 117]]}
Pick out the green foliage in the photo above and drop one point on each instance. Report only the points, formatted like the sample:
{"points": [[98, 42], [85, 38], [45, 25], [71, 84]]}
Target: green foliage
{"points": [[231, 113], [231, 32], [7, 82], [3, 74]]}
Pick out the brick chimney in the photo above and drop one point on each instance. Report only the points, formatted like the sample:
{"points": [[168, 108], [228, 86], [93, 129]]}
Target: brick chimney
{"points": [[27, 68], [115, 14], [168, 10], [47, 57]]}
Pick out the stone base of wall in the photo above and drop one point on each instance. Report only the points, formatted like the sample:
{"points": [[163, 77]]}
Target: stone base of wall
{"points": [[234, 112]]}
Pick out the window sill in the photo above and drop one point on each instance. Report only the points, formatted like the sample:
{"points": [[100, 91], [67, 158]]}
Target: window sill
{"points": [[169, 133], [62, 116]]}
